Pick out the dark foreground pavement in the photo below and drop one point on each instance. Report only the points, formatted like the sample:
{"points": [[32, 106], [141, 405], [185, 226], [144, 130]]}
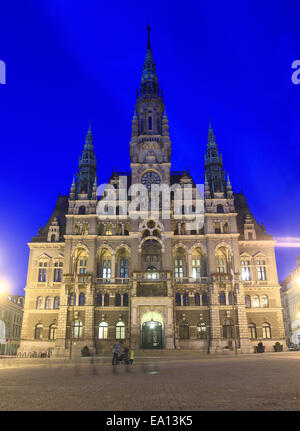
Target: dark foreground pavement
{"points": [[247, 382]]}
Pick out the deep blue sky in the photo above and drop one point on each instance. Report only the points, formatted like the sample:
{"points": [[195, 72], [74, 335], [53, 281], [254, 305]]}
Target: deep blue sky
{"points": [[70, 62]]}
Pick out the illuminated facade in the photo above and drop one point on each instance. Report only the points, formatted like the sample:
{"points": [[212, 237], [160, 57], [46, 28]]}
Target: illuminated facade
{"points": [[154, 282]]}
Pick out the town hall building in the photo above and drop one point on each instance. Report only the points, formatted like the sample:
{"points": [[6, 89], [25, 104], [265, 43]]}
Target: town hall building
{"points": [[154, 282]]}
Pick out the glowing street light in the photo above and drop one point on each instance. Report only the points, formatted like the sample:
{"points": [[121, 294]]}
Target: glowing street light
{"points": [[2, 288]]}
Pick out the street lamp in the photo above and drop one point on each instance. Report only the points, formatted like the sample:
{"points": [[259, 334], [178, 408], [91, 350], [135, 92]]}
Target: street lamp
{"points": [[2, 288]]}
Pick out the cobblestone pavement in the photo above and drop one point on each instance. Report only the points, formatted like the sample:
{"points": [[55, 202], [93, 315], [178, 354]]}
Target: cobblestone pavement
{"points": [[247, 382]]}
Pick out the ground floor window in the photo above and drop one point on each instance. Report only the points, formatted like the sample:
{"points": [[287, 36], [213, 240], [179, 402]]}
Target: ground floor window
{"points": [[103, 330], [120, 331], [228, 328], [252, 331], [266, 330], [201, 330], [77, 329], [184, 331]]}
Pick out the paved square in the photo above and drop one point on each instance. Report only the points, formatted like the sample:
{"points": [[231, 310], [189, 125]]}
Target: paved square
{"points": [[246, 382]]}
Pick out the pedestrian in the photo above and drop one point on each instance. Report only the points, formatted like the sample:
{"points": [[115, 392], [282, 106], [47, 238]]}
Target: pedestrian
{"points": [[116, 350], [131, 355]]}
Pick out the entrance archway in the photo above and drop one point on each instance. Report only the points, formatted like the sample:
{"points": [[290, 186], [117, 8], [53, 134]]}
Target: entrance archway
{"points": [[152, 335], [152, 330]]}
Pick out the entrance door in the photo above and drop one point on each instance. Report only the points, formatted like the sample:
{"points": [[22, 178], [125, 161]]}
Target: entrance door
{"points": [[152, 335]]}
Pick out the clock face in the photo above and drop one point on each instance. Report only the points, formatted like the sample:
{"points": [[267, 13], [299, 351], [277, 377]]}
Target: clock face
{"points": [[150, 178]]}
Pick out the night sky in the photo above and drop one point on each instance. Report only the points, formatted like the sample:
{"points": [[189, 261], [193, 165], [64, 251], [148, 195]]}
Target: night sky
{"points": [[71, 62]]}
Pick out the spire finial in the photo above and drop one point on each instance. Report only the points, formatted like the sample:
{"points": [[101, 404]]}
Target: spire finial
{"points": [[90, 128], [148, 45]]}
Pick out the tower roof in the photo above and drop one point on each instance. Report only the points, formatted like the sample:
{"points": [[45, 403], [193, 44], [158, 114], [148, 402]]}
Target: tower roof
{"points": [[149, 81]]}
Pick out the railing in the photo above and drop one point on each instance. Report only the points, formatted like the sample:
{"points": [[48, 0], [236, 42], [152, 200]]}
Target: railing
{"points": [[151, 276], [187, 280], [119, 280]]}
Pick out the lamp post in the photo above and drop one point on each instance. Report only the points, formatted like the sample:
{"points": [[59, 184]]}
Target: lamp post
{"points": [[73, 304], [233, 309]]}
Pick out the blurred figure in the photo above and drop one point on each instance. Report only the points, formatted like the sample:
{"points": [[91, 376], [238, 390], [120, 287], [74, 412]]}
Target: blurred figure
{"points": [[116, 352], [131, 356], [93, 361], [76, 353]]}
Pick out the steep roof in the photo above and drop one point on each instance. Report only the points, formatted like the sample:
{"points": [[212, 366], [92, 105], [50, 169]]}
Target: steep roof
{"points": [[60, 211]]}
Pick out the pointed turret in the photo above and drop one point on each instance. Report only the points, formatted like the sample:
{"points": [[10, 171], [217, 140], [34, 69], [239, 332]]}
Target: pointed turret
{"points": [[87, 167], [73, 189], [229, 187], [214, 165], [149, 81]]}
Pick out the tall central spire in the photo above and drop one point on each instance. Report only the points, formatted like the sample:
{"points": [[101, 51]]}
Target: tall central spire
{"points": [[150, 140], [149, 81]]}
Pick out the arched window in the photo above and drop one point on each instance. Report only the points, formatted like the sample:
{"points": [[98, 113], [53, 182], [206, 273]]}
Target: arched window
{"points": [[255, 301], [179, 268], [124, 271], [118, 300], [222, 260], [82, 267], [250, 236], [248, 301], [201, 330], [39, 302], [266, 327], [220, 208], [106, 269], [197, 298], [106, 300], [196, 267], [48, 303], [184, 331], [72, 299], [150, 123], [186, 299], [81, 299], [99, 300], [204, 299], [53, 238], [120, 331], [228, 328], [125, 300], [77, 329], [81, 210], [222, 298], [178, 299], [52, 332], [38, 332], [56, 302], [265, 301], [252, 331], [103, 330]]}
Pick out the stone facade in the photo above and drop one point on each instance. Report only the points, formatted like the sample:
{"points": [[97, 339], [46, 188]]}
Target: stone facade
{"points": [[155, 282]]}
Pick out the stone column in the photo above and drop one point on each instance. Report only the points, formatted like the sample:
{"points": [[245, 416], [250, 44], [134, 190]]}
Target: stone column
{"points": [[113, 266]]}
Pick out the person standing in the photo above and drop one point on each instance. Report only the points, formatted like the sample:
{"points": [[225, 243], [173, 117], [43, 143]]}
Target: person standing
{"points": [[116, 350], [131, 355]]}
